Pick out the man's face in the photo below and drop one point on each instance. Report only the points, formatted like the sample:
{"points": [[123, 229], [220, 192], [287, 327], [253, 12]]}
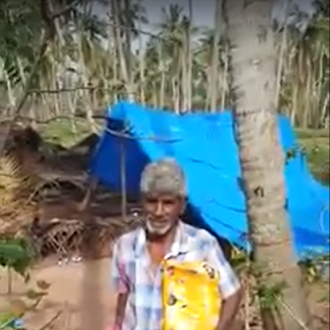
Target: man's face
{"points": [[162, 212]]}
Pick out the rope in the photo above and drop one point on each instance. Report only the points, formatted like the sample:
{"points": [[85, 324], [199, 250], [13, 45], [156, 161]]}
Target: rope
{"points": [[293, 316], [283, 304], [322, 220]]}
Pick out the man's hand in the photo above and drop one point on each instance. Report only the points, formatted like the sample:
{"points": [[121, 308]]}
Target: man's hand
{"points": [[229, 310]]}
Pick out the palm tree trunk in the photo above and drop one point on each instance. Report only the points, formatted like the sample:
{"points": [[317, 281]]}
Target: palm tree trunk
{"points": [[208, 88], [253, 65], [119, 45], [224, 80], [317, 116], [184, 82], [308, 95], [161, 68], [154, 94], [86, 97], [175, 94], [283, 50], [112, 44], [190, 58], [11, 98], [128, 43], [325, 111], [141, 67], [162, 89], [294, 107], [215, 57]]}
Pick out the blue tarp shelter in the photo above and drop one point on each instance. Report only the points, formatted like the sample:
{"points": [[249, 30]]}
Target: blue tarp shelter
{"points": [[205, 146]]}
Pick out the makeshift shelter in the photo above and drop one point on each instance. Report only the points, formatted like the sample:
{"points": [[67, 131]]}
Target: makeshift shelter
{"points": [[205, 146]]}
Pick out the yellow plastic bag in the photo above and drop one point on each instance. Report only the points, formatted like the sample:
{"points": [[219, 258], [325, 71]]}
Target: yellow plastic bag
{"points": [[191, 297]]}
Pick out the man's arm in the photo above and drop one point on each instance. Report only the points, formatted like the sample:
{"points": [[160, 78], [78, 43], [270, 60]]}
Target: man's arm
{"points": [[229, 286], [229, 310], [120, 310], [120, 285]]}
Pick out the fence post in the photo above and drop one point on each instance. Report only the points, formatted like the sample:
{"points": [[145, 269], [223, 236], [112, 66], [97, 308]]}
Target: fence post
{"points": [[123, 178]]}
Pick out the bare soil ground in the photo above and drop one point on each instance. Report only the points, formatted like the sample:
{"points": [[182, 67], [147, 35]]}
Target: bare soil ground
{"points": [[80, 297]]}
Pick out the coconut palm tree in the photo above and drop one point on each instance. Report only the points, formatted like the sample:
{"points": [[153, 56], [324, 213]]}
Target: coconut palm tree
{"points": [[253, 69], [173, 46], [305, 75], [19, 30]]}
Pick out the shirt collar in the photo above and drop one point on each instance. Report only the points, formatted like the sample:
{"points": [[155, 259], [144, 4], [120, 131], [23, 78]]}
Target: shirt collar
{"points": [[181, 244]]}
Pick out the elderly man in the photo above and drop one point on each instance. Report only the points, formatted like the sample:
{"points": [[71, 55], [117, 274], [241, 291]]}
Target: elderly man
{"points": [[137, 258]]}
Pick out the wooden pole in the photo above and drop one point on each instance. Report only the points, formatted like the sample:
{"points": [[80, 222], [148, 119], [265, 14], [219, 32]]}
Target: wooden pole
{"points": [[86, 202], [123, 178]]}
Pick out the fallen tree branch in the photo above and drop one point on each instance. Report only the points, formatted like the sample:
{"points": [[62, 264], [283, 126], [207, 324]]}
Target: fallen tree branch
{"points": [[68, 90], [150, 34], [50, 120], [66, 10], [121, 134], [51, 321]]}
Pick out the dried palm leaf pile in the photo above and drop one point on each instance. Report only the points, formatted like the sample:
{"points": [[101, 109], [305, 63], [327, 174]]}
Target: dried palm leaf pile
{"points": [[68, 238], [15, 190], [37, 184]]}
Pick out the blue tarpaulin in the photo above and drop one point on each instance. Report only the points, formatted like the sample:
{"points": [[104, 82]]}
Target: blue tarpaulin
{"points": [[205, 146]]}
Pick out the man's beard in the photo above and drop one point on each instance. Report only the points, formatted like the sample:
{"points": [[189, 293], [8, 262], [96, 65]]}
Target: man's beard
{"points": [[158, 230]]}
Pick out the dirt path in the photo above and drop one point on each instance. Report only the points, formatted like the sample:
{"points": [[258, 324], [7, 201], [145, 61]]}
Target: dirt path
{"points": [[79, 292], [80, 295]]}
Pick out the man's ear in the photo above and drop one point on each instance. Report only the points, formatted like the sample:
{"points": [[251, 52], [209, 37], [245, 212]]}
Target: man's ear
{"points": [[184, 206]]}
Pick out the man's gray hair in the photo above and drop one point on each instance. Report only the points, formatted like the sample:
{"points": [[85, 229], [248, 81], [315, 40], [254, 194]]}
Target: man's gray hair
{"points": [[163, 176]]}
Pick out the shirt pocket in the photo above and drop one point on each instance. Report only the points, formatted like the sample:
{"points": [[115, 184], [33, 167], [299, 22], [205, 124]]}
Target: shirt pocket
{"points": [[192, 256]]}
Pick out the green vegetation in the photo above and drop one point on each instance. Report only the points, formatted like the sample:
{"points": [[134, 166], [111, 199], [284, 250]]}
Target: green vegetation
{"points": [[16, 254], [13, 317], [316, 145], [63, 133], [76, 73]]}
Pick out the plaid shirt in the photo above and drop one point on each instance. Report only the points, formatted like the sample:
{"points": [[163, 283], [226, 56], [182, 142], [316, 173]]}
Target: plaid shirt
{"points": [[132, 272]]}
